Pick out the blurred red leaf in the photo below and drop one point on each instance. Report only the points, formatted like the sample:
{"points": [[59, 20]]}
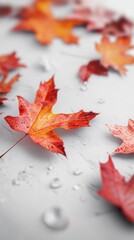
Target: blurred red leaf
{"points": [[95, 18], [5, 87], [126, 133], [121, 27], [117, 190], [93, 67], [2, 99], [9, 62], [5, 10]]}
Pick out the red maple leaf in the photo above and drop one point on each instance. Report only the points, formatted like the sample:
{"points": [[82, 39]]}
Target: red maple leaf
{"points": [[2, 99], [121, 27], [126, 133], [5, 10], [5, 87], [93, 67], [117, 190], [9, 62], [95, 18], [39, 122]]}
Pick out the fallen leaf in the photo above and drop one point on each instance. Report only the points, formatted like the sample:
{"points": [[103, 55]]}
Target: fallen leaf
{"points": [[37, 9], [121, 27], [6, 87], [114, 53], [94, 18], [2, 99], [93, 67], [9, 62], [126, 133], [117, 190], [5, 10], [38, 121], [48, 28]]}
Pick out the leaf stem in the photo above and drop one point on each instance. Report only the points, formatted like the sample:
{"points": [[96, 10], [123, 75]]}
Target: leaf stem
{"points": [[13, 146]]}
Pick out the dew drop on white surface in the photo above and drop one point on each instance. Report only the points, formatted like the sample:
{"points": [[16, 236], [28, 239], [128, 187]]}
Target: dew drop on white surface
{"points": [[101, 101], [76, 187], [55, 219], [50, 168], [16, 182], [77, 172], [56, 183], [83, 199], [84, 87], [23, 176], [45, 64]]}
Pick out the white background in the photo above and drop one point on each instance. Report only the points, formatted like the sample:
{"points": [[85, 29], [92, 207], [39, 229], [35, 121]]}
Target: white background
{"points": [[21, 207]]}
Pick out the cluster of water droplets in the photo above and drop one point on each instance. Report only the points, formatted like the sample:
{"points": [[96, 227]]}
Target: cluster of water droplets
{"points": [[23, 177]]}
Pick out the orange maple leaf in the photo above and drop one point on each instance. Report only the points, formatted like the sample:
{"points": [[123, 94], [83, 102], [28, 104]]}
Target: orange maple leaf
{"points": [[114, 53], [37, 9], [126, 133], [38, 121], [48, 28], [9, 62], [6, 87]]}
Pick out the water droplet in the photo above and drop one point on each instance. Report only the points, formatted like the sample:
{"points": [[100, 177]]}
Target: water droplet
{"points": [[101, 101], [50, 168], [83, 87], [77, 187], [23, 176], [44, 63], [55, 219], [16, 182], [77, 172], [56, 183], [83, 199]]}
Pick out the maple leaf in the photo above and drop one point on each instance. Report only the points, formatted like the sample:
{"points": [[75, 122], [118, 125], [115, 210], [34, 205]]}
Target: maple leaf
{"points": [[93, 67], [48, 28], [5, 11], [38, 121], [126, 133], [2, 99], [117, 190], [6, 87], [9, 62], [37, 9], [114, 53], [121, 27], [95, 18]]}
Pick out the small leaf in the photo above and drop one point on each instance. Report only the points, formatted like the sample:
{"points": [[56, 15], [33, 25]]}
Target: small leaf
{"points": [[126, 133], [114, 53], [93, 67], [9, 62]]}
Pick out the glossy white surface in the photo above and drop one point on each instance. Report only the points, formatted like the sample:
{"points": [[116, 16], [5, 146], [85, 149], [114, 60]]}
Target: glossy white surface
{"points": [[22, 207]]}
